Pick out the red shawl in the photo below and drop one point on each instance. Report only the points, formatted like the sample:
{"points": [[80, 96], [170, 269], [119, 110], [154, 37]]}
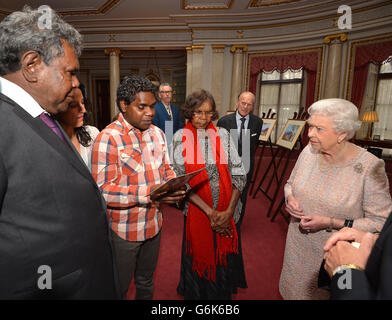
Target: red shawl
{"points": [[199, 234]]}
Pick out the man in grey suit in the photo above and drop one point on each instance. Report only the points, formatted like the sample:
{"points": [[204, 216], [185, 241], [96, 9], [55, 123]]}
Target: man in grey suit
{"points": [[54, 240], [245, 128]]}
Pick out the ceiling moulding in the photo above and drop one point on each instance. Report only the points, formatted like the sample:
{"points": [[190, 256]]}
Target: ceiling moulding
{"points": [[206, 4], [283, 22], [302, 9], [162, 29], [109, 4], [266, 3], [101, 10]]}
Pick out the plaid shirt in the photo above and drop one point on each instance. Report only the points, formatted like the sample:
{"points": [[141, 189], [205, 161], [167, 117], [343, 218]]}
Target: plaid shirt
{"points": [[126, 162]]}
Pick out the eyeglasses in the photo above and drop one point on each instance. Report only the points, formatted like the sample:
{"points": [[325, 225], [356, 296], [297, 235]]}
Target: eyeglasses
{"points": [[244, 104], [207, 114], [165, 92]]}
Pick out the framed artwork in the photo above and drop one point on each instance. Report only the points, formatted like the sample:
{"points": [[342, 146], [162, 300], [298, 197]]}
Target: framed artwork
{"points": [[290, 133], [266, 129]]}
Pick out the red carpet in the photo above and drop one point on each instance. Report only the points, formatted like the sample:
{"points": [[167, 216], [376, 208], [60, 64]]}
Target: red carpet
{"points": [[263, 245]]}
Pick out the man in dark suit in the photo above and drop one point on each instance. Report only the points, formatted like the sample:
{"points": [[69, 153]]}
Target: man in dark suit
{"points": [[360, 273], [54, 240], [167, 117], [245, 128]]}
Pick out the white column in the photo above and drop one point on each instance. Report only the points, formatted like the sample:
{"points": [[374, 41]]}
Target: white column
{"points": [[207, 75], [188, 70], [114, 59], [334, 65], [197, 67], [217, 76], [237, 73]]}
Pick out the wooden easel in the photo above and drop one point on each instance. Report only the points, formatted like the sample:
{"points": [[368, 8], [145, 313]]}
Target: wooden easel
{"points": [[279, 178], [262, 144]]}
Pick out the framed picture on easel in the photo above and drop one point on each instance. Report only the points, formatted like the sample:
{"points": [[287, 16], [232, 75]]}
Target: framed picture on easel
{"points": [[266, 129], [291, 131]]}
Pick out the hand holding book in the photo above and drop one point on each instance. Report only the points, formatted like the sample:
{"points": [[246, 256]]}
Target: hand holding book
{"points": [[172, 191]]}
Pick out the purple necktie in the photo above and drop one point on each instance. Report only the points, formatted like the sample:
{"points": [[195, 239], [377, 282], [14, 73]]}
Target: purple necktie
{"points": [[52, 125]]}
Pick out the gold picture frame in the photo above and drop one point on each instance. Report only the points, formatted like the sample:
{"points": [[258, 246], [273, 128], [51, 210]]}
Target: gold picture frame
{"points": [[290, 133], [266, 129]]}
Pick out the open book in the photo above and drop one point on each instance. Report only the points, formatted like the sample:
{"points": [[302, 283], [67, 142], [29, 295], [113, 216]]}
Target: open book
{"points": [[176, 183]]}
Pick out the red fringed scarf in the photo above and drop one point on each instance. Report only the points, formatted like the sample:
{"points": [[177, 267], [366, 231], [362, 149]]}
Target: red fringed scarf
{"points": [[199, 235]]}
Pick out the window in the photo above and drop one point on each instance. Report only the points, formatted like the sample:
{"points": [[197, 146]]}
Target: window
{"points": [[281, 92], [383, 103]]}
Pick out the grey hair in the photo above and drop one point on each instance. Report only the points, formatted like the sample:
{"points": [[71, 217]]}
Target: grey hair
{"points": [[22, 31], [164, 84], [342, 113]]}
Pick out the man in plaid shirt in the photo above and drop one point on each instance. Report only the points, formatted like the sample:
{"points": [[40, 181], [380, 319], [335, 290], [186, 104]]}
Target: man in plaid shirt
{"points": [[129, 161]]}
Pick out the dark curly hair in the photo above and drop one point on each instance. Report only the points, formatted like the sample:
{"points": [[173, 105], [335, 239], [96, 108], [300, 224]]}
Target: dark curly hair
{"points": [[130, 86], [195, 100]]}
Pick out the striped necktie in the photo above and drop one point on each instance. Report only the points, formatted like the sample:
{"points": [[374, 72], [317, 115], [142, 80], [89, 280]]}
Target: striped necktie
{"points": [[169, 112]]}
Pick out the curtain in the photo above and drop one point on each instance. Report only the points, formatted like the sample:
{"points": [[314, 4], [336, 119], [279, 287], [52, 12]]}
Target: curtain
{"points": [[384, 103], [269, 100], [370, 53], [307, 60]]}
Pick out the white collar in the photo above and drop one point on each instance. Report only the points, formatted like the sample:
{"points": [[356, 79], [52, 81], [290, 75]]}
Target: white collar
{"points": [[21, 97]]}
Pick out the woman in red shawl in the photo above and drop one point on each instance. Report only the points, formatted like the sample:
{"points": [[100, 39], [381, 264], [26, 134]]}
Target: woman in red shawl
{"points": [[211, 262]]}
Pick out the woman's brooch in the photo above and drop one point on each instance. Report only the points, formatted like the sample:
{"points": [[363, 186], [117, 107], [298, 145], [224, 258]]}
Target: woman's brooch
{"points": [[358, 168]]}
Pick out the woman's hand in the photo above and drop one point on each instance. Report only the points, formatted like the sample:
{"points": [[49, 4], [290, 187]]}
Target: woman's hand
{"points": [[314, 222], [293, 207], [221, 222]]}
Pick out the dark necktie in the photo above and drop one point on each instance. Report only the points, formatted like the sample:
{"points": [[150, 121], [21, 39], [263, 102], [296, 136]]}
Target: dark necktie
{"points": [[52, 125], [240, 137]]}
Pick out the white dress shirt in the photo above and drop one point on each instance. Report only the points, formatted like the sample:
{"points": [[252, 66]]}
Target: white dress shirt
{"points": [[238, 119], [21, 97]]}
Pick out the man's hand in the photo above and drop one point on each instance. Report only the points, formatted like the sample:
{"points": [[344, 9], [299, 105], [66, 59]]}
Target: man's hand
{"points": [[166, 195], [172, 197], [341, 252], [154, 187], [345, 234]]}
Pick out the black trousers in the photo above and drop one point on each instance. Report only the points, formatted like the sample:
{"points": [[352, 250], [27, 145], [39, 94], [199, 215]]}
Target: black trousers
{"points": [[139, 259]]}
